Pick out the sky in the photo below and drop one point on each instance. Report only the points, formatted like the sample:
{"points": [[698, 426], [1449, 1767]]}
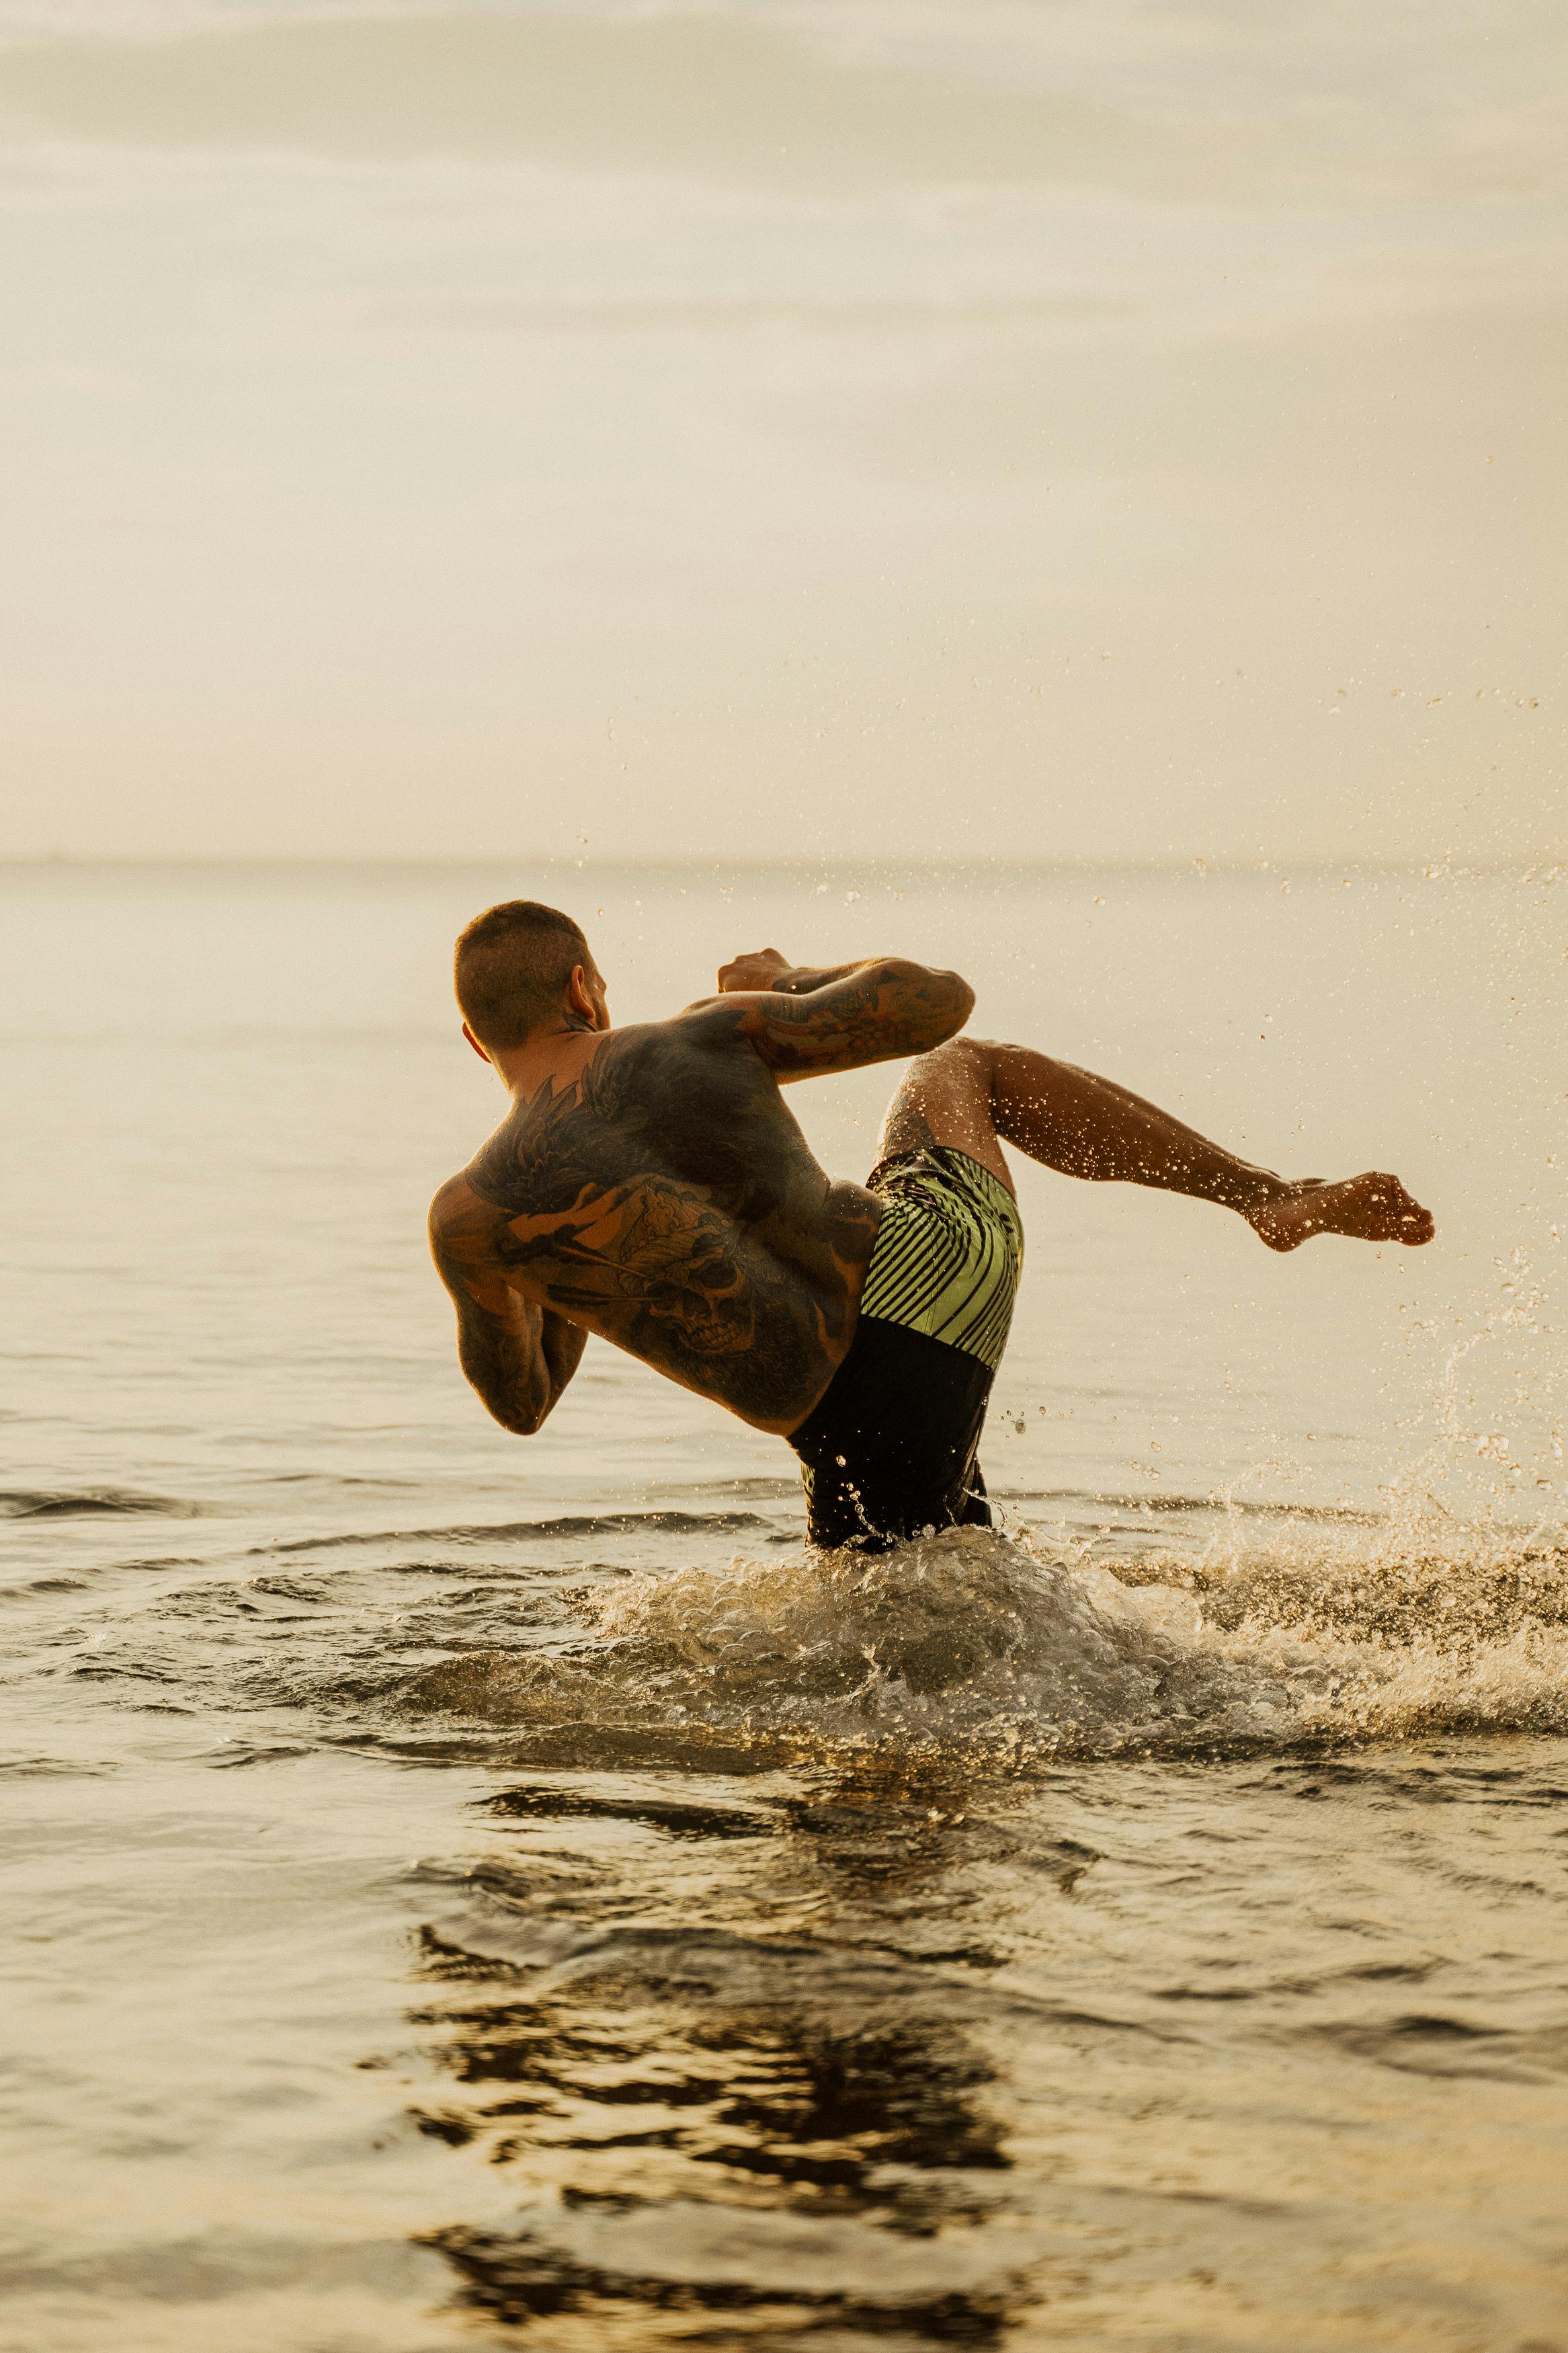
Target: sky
{"points": [[1061, 429]]}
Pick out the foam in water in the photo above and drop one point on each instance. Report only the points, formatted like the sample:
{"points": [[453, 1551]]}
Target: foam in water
{"points": [[1301, 1631]]}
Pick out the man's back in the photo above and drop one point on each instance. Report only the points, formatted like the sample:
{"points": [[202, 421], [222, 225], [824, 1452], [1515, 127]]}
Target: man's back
{"points": [[651, 1184]]}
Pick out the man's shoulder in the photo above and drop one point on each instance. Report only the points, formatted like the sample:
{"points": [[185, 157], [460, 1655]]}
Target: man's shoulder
{"points": [[456, 1209], [637, 1063], [629, 1072], [723, 1026], [710, 1021]]}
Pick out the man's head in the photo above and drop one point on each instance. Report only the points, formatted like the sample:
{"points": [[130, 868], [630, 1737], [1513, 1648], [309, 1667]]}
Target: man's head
{"points": [[521, 968]]}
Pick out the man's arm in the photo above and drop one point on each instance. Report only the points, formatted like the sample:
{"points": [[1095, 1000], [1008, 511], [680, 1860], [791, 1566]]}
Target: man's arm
{"points": [[806, 1020], [517, 1355]]}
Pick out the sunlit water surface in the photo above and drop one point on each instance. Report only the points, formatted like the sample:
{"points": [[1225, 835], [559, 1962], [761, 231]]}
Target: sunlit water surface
{"points": [[469, 1891]]}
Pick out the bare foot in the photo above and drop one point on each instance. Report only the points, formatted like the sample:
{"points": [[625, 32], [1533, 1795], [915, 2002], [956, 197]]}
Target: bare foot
{"points": [[1372, 1209]]}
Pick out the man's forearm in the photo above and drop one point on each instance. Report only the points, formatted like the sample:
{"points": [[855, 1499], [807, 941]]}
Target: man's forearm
{"points": [[518, 1353], [804, 980], [561, 1345], [519, 1363]]}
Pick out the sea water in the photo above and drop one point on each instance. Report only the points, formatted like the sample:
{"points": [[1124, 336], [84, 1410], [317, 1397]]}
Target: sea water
{"points": [[462, 1890]]}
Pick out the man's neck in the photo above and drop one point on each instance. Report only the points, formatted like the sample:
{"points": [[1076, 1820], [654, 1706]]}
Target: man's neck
{"points": [[545, 1054]]}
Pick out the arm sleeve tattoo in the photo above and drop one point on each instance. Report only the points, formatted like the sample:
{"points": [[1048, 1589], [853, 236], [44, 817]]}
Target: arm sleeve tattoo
{"points": [[517, 1355], [876, 1014]]}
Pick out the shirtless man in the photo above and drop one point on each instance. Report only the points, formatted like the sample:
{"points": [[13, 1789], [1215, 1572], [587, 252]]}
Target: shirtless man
{"points": [[648, 1184]]}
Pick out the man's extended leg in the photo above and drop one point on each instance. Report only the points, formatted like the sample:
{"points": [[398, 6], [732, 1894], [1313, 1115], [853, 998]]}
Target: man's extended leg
{"points": [[970, 1093]]}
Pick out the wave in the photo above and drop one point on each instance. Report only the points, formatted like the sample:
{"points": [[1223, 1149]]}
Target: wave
{"points": [[1229, 1505], [55, 1504], [567, 1525], [1302, 1632]]}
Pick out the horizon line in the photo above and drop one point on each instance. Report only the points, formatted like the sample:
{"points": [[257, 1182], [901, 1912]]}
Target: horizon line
{"points": [[1000, 863]]}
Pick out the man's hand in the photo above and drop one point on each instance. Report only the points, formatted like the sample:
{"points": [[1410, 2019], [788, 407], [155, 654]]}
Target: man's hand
{"points": [[764, 968], [767, 969]]}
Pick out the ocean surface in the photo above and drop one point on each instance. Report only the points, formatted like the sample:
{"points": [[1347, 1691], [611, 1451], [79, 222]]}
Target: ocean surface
{"points": [[462, 1891]]}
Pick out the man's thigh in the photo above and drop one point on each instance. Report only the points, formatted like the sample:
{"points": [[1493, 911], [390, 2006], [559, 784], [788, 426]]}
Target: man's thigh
{"points": [[945, 1098]]}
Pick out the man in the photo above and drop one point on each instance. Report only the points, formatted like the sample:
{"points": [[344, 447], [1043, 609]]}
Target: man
{"points": [[649, 1185]]}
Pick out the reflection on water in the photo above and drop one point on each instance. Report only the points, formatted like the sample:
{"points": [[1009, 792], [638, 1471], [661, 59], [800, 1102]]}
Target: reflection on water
{"points": [[892, 2056], [705, 2124]]}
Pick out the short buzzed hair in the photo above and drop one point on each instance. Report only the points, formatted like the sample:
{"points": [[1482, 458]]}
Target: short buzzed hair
{"points": [[512, 966]]}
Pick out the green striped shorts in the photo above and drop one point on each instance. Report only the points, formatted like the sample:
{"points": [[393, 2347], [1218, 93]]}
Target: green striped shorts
{"points": [[948, 1251]]}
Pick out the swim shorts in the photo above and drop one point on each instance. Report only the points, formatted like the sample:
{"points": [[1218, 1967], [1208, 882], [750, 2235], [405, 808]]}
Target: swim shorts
{"points": [[890, 1449]]}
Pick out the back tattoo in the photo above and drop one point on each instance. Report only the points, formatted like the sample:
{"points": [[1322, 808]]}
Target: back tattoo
{"points": [[666, 1198]]}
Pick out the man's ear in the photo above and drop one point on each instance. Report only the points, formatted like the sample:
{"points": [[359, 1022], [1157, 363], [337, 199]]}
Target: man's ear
{"points": [[475, 1043], [580, 996]]}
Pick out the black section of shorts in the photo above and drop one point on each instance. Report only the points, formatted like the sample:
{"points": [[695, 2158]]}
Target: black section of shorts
{"points": [[891, 1446]]}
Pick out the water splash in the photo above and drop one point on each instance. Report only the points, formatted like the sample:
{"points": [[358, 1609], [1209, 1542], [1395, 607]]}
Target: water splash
{"points": [[1019, 1648], [1249, 1624]]}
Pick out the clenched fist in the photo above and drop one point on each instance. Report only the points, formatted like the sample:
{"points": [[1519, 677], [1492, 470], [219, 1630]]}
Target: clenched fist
{"points": [[762, 969]]}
